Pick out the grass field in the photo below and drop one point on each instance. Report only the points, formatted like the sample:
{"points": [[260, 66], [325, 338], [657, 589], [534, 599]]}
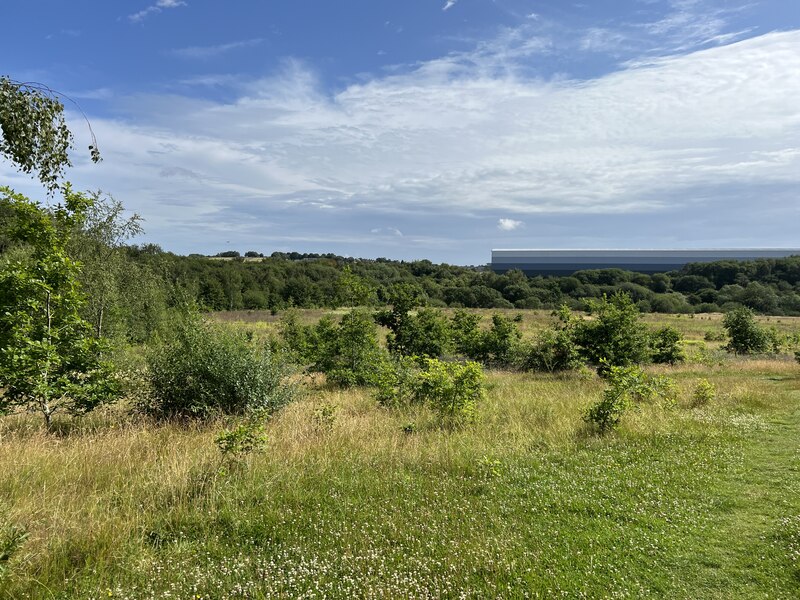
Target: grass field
{"points": [[681, 502]]}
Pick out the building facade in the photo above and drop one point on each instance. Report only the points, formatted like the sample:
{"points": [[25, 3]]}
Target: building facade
{"points": [[566, 262]]}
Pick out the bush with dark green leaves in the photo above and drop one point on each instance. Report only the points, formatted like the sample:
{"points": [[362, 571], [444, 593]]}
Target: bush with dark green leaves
{"points": [[467, 336], [394, 381], [207, 370], [553, 349], [745, 336], [425, 332], [667, 346], [500, 341], [348, 352], [614, 335], [298, 340]]}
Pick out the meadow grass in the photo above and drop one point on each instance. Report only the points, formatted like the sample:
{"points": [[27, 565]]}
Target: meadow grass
{"points": [[350, 501]]}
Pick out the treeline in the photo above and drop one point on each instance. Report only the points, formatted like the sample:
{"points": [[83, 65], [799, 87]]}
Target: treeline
{"points": [[285, 280]]}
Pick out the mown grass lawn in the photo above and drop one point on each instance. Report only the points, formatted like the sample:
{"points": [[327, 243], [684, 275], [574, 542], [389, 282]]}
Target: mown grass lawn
{"points": [[681, 502]]}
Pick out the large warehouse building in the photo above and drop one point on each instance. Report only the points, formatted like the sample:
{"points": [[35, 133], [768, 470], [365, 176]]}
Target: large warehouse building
{"points": [[566, 262]]}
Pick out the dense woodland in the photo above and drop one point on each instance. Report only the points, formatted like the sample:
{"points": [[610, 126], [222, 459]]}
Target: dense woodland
{"points": [[310, 280]]}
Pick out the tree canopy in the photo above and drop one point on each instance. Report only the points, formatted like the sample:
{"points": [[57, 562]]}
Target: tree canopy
{"points": [[35, 136]]}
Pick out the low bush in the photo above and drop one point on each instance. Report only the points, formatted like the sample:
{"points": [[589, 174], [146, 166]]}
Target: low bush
{"points": [[615, 335], [348, 352], [500, 341], [207, 370], [627, 385], [666, 346], [467, 337], [498, 345], [453, 390], [553, 350], [714, 336], [745, 336], [704, 392], [242, 441], [394, 381]]}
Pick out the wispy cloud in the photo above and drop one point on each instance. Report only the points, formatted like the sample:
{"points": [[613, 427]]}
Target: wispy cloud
{"points": [[393, 231], [449, 4], [205, 52], [458, 141], [509, 224], [159, 6]]}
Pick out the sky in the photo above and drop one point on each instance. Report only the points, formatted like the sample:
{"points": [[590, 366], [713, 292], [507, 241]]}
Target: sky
{"points": [[435, 129]]}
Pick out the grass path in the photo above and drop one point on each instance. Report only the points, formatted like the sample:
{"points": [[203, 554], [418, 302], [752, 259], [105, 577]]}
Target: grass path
{"points": [[749, 553]]}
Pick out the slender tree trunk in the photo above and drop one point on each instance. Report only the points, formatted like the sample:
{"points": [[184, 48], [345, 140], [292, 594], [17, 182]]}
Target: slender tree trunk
{"points": [[44, 401]]}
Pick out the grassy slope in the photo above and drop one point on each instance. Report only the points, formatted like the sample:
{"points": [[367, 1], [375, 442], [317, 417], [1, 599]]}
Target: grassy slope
{"points": [[681, 503]]}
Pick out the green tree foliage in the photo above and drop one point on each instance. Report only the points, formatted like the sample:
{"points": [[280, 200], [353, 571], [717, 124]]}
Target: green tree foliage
{"points": [[127, 301], [500, 341], [554, 349], [614, 335], [453, 390], [467, 336], [348, 352], [425, 332], [667, 346], [626, 386], [50, 359], [745, 336], [284, 280], [353, 290], [209, 370], [35, 136]]}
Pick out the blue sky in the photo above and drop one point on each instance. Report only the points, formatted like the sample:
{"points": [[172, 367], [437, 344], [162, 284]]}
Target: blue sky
{"points": [[429, 128]]}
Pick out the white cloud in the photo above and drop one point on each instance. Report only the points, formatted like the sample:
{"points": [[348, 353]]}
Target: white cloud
{"points": [[203, 52], [460, 137], [450, 4], [155, 8], [387, 231], [509, 224]]}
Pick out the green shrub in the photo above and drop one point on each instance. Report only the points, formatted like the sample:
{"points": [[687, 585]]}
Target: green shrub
{"points": [[745, 336], [207, 370], [394, 381], [245, 439], [552, 350], [666, 345], [453, 390], [704, 392], [298, 340], [325, 417], [797, 355], [497, 345], [467, 337], [714, 336], [615, 336], [500, 341], [426, 334], [626, 385], [348, 352]]}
